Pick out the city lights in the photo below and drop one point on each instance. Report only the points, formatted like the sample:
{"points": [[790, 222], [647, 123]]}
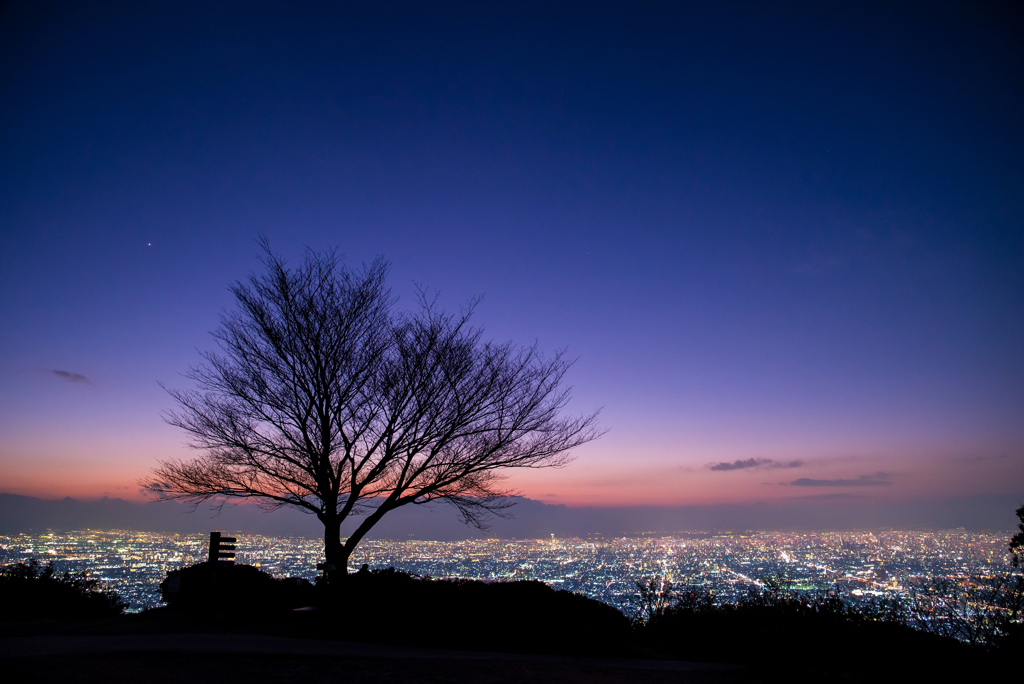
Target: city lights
{"points": [[858, 566]]}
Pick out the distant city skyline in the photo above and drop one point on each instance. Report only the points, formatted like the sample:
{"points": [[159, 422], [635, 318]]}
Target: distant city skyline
{"points": [[784, 243], [525, 519]]}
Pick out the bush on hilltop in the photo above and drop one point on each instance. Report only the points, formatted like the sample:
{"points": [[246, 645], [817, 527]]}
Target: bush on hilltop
{"points": [[779, 630], [467, 614], [206, 588], [30, 591]]}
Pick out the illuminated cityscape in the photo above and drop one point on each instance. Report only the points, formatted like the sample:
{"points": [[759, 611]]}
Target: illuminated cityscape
{"points": [[856, 565]]}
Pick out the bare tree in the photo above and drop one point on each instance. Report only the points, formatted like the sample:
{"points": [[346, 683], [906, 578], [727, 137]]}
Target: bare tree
{"points": [[323, 398], [981, 610], [656, 598]]}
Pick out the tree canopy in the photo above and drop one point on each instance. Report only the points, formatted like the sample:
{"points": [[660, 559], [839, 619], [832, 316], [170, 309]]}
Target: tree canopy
{"points": [[324, 396]]}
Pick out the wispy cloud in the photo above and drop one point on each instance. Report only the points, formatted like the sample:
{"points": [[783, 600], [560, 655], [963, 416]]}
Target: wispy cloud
{"points": [[753, 463], [980, 459], [831, 496], [878, 479], [72, 377]]}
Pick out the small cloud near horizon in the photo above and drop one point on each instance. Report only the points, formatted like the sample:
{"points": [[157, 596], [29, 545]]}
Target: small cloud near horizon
{"points": [[753, 463], [878, 479], [980, 459], [72, 377], [831, 496]]}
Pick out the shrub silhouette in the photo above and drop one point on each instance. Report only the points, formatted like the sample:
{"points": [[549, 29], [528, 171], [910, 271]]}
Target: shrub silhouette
{"points": [[208, 588], [396, 607], [509, 616], [778, 629], [30, 591]]}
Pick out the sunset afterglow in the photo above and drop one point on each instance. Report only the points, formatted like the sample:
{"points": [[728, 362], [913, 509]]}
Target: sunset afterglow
{"points": [[785, 250]]}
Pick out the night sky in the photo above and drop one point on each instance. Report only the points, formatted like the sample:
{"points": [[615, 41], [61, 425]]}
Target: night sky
{"points": [[784, 241]]}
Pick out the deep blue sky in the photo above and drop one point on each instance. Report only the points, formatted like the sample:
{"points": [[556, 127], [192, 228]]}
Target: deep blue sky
{"points": [[780, 233]]}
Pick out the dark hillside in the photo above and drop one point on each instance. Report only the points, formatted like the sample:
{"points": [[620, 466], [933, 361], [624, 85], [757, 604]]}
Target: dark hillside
{"points": [[394, 607], [505, 616], [777, 639]]}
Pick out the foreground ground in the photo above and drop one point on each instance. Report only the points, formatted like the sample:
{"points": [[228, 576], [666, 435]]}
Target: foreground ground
{"points": [[163, 646], [170, 658], [390, 627]]}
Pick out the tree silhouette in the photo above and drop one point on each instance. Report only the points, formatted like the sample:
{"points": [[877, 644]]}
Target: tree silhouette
{"points": [[1017, 541], [324, 398]]}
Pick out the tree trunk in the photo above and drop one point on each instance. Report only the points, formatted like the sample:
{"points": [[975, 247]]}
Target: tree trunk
{"points": [[335, 553], [360, 532]]}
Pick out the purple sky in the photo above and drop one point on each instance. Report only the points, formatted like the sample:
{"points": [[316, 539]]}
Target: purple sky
{"points": [[785, 238]]}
